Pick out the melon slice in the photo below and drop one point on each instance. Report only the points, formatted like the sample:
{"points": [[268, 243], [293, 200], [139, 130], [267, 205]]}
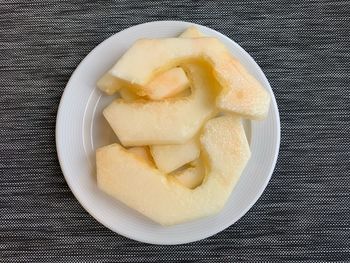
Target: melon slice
{"points": [[172, 82], [191, 32], [172, 156], [128, 95], [171, 121], [159, 196], [241, 93], [110, 84], [143, 153], [191, 177], [166, 85]]}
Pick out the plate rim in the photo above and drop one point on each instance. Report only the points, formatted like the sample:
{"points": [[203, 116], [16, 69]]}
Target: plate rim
{"points": [[143, 239]]}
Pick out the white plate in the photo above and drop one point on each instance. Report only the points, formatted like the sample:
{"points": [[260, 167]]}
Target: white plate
{"points": [[80, 129]]}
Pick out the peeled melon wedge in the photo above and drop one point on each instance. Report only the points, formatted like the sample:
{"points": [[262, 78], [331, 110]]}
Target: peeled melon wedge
{"points": [[172, 156], [192, 176], [166, 85], [127, 95], [170, 121], [241, 93], [143, 153], [159, 196], [191, 32], [225, 100], [110, 84], [170, 83]]}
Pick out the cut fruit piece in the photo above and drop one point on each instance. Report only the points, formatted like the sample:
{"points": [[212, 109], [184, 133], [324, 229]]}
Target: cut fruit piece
{"points": [[245, 96], [166, 84], [191, 177], [191, 32], [127, 95], [224, 137], [160, 197], [172, 156], [171, 121], [110, 84], [143, 153], [241, 93], [185, 93], [140, 63]]}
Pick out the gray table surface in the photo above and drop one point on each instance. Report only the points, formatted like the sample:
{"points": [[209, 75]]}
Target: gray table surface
{"points": [[302, 46]]}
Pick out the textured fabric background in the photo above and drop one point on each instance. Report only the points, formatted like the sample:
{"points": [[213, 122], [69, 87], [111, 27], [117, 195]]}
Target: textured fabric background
{"points": [[303, 48]]}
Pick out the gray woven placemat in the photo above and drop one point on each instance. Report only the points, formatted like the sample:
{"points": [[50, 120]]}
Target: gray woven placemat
{"points": [[303, 48]]}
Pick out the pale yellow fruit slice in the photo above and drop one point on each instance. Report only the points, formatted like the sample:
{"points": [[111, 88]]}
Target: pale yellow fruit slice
{"points": [[128, 95], [171, 121], [172, 156], [160, 197], [143, 153], [191, 177], [241, 93], [191, 32], [172, 82], [184, 93], [110, 84], [166, 84]]}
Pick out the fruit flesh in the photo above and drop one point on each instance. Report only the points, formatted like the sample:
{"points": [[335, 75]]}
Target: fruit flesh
{"points": [[191, 32], [127, 95], [241, 93], [191, 177], [172, 156], [170, 121], [110, 84], [160, 197], [167, 84], [143, 153]]}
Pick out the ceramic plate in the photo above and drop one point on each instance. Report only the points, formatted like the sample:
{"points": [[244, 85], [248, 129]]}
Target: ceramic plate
{"points": [[81, 128]]}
